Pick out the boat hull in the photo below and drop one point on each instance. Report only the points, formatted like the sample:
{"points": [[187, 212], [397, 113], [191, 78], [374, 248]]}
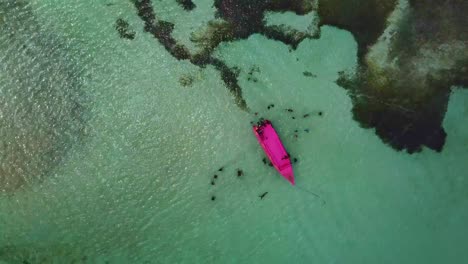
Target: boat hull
{"points": [[274, 149]]}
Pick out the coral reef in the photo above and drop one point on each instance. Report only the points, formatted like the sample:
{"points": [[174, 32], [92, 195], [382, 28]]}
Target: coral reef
{"points": [[365, 19], [237, 20], [162, 31], [403, 91], [407, 65]]}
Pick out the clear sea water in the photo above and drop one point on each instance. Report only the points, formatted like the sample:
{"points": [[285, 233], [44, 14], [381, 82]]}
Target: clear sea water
{"points": [[137, 187]]}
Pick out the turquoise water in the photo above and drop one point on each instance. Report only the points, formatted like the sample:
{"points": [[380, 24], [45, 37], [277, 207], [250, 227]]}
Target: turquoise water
{"points": [[136, 188]]}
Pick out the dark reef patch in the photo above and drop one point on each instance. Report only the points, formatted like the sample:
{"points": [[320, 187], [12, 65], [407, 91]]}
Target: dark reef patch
{"points": [[239, 20], [124, 30], [309, 74], [162, 31], [286, 35], [365, 19], [229, 77], [406, 104], [245, 18], [186, 4], [404, 122], [250, 75], [186, 80]]}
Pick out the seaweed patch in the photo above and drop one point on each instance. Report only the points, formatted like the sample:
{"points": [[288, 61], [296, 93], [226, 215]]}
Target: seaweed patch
{"points": [[250, 75], [239, 20], [365, 19], [309, 74], [123, 28], [162, 31], [186, 80], [399, 95], [188, 5]]}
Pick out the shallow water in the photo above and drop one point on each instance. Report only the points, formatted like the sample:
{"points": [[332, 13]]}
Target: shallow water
{"points": [[132, 184]]}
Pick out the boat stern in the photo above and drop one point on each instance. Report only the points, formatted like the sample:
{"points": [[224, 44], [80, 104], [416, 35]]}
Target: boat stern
{"points": [[288, 174]]}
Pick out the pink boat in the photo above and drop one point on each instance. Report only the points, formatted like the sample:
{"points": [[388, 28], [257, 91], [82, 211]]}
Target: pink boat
{"points": [[274, 149]]}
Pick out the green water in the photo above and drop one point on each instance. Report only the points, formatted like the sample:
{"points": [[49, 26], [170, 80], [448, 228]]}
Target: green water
{"points": [[137, 187]]}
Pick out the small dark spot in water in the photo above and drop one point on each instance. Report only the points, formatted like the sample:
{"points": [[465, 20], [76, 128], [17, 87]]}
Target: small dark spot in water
{"points": [[264, 161], [293, 117], [256, 113], [270, 164], [251, 122], [297, 59], [213, 198], [320, 113], [215, 176], [186, 80], [212, 183], [306, 130], [239, 173], [289, 110], [296, 130], [188, 5], [309, 74], [252, 78], [26, 262], [294, 160], [306, 115], [295, 135], [254, 69], [110, 4], [221, 169], [263, 195], [124, 30]]}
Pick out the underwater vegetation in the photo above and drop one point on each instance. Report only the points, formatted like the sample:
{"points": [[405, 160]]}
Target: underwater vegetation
{"points": [[410, 54], [162, 31], [365, 19], [123, 28], [187, 4], [242, 18], [236, 20], [402, 87]]}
